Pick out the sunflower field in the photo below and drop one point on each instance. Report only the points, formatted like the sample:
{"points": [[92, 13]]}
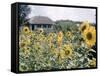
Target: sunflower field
{"points": [[57, 50]]}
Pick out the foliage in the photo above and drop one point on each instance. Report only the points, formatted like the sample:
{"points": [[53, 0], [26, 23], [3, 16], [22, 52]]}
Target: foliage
{"points": [[24, 10], [65, 25]]}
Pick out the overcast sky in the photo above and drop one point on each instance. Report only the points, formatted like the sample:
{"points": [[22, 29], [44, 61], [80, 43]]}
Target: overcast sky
{"points": [[63, 13]]}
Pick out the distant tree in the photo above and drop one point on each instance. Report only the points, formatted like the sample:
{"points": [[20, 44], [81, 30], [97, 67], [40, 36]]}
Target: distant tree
{"points": [[65, 25], [24, 10]]}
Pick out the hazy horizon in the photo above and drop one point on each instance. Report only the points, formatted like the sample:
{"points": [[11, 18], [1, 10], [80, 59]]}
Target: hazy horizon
{"points": [[63, 13]]}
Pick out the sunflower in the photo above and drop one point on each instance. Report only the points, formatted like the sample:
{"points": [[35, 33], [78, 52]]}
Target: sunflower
{"points": [[62, 54], [69, 34], [27, 51], [37, 46], [84, 26], [23, 67], [60, 37], [22, 44], [92, 62], [56, 52], [40, 30], [50, 34], [90, 36], [21, 37], [50, 39], [68, 50], [28, 41], [26, 30]]}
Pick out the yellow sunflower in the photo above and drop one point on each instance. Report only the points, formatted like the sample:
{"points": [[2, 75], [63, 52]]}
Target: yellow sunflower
{"points": [[40, 30], [51, 34], [56, 52], [62, 54], [93, 62], [60, 38], [37, 46], [69, 34], [50, 39], [68, 50], [27, 51], [28, 41], [84, 26], [26, 30], [90, 36], [22, 44]]}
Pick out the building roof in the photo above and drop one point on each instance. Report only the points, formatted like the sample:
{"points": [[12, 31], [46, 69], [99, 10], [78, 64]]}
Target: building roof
{"points": [[40, 20]]}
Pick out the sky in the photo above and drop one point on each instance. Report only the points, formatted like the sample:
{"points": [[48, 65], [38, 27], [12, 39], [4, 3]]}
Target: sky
{"points": [[63, 13]]}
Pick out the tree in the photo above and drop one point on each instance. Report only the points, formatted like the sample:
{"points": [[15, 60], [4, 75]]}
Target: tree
{"points": [[24, 10]]}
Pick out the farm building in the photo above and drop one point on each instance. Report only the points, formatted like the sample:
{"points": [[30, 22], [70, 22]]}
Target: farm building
{"points": [[40, 22]]}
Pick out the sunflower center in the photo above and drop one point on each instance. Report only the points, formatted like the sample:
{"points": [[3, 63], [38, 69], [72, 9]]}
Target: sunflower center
{"points": [[23, 44], [89, 35], [84, 27], [25, 29], [59, 35], [67, 52], [28, 48]]}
